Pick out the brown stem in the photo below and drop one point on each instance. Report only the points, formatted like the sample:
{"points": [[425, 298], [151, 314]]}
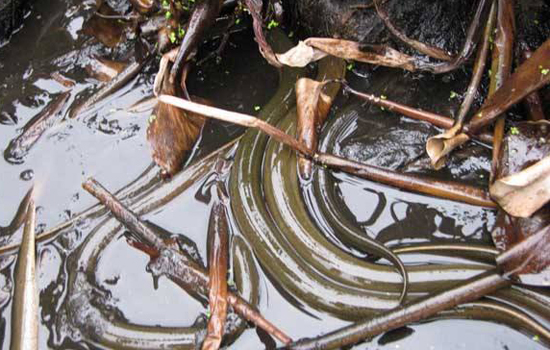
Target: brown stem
{"points": [[183, 272], [501, 68], [203, 15], [479, 67], [443, 189], [255, 8], [463, 292], [432, 118]]}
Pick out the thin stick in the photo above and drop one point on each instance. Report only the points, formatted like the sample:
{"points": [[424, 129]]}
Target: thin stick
{"points": [[464, 292], [432, 118], [193, 272], [443, 189]]}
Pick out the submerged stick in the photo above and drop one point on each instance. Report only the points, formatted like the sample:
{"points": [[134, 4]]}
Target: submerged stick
{"points": [[24, 325], [443, 189], [190, 272], [111, 87]]}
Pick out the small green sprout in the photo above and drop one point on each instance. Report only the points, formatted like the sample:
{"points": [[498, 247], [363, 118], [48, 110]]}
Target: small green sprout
{"points": [[168, 15], [453, 95], [514, 130], [237, 21], [165, 4], [544, 71], [172, 37], [272, 24], [181, 32], [536, 338], [291, 34], [257, 108], [383, 97], [350, 66], [151, 119], [208, 314]]}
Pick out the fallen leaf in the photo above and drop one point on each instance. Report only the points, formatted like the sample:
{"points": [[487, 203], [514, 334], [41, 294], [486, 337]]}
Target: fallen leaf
{"points": [[301, 55], [172, 132], [523, 193]]}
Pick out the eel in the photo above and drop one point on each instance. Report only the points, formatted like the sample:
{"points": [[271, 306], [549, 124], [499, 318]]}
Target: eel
{"points": [[319, 283], [278, 238]]}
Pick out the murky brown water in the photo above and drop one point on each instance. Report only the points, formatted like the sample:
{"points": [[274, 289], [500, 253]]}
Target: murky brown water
{"points": [[111, 147]]}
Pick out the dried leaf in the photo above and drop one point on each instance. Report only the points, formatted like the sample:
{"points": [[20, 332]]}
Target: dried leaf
{"points": [[218, 244], [377, 54], [523, 193], [171, 133], [313, 104], [439, 146], [301, 55], [313, 49], [530, 76]]}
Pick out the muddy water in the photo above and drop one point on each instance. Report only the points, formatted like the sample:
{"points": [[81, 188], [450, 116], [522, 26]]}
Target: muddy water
{"points": [[110, 145]]}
